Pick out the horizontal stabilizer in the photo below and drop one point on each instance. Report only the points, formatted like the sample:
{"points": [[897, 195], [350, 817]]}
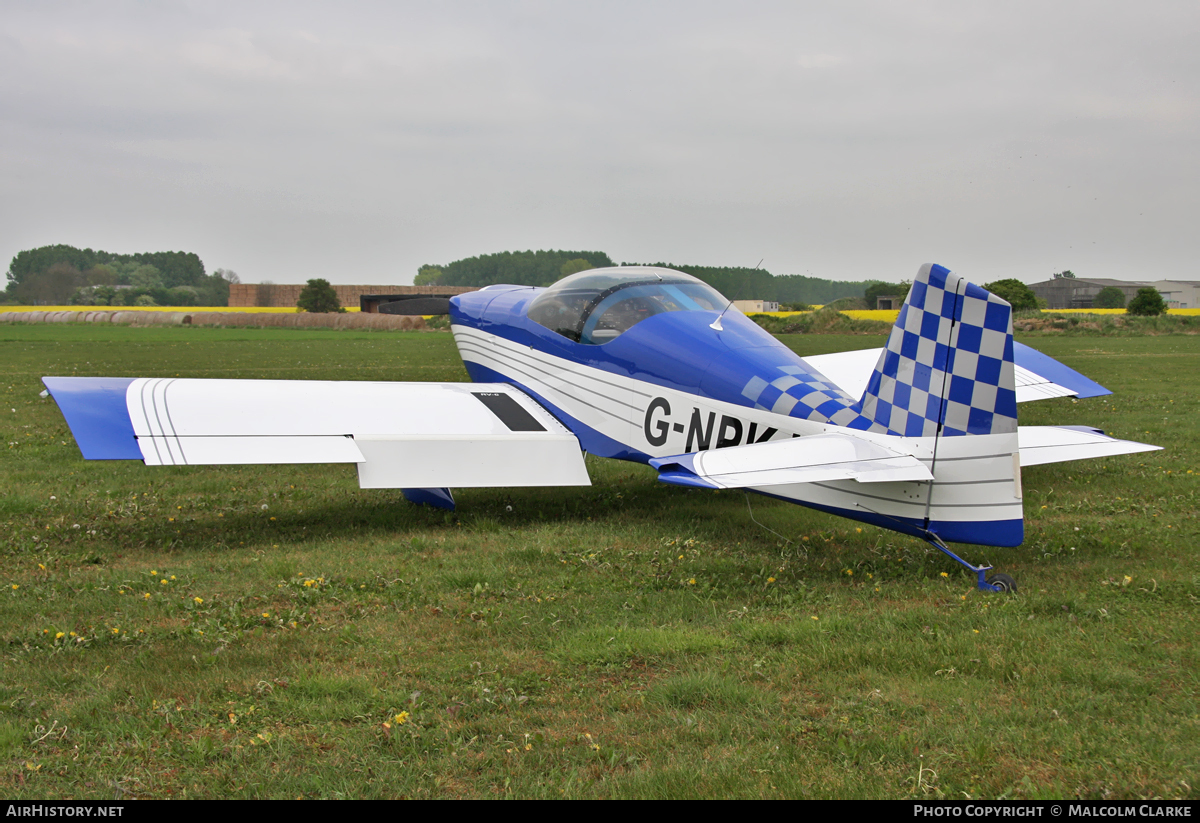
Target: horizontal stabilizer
{"points": [[1038, 377], [1058, 444], [812, 459], [400, 435]]}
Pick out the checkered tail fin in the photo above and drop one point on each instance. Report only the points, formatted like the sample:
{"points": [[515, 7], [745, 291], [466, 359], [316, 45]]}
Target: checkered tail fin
{"points": [[948, 365]]}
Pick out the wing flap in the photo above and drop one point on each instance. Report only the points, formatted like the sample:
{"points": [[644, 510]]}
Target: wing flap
{"points": [[812, 459], [1057, 444]]}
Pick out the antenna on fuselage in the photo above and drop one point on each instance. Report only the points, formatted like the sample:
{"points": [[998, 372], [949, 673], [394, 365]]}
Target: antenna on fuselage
{"points": [[716, 324]]}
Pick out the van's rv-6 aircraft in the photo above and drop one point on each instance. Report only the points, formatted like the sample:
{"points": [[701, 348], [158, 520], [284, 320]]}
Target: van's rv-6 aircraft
{"points": [[654, 366]]}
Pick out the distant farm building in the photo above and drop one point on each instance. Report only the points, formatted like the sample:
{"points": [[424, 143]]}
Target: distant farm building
{"points": [[752, 306], [367, 298], [1079, 292]]}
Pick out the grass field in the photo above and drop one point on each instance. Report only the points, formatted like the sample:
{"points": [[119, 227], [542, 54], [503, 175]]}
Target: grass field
{"points": [[277, 632]]}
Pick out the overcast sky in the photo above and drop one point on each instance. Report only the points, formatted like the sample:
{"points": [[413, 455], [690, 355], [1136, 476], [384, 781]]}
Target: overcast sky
{"points": [[358, 141]]}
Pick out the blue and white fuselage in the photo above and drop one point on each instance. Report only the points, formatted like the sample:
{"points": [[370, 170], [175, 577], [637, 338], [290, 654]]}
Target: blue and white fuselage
{"points": [[672, 384]]}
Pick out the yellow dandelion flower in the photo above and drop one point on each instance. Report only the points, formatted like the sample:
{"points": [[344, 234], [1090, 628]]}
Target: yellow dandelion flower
{"points": [[401, 718], [153, 573], [165, 582], [197, 600], [146, 596], [15, 587], [266, 614], [814, 617], [59, 636], [770, 579], [692, 582], [944, 574]]}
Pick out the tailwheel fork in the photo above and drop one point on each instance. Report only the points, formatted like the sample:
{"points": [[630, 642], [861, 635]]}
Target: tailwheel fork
{"points": [[995, 583]]}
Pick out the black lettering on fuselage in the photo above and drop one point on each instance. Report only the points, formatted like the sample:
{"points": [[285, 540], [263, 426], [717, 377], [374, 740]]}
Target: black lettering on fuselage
{"points": [[657, 426], [730, 433], [767, 435], [698, 433], [662, 426]]}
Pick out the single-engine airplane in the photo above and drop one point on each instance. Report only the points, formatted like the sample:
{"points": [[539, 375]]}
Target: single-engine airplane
{"points": [[655, 366]]}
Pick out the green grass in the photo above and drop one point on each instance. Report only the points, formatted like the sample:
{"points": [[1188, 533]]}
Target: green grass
{"points": [[630, 639]]}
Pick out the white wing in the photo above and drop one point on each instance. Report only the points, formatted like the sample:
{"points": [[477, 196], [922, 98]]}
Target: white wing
{"points": [[400, 435], [851, 371]]}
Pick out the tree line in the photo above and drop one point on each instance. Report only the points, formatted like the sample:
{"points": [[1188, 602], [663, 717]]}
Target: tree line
{"points": [[61, 274], [542, 268]]}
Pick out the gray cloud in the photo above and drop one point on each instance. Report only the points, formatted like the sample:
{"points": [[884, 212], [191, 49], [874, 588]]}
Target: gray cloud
{"points": [[290, 141]]}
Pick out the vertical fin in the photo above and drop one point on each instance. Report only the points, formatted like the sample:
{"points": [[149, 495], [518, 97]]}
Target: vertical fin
{"points": [[947, 368]]}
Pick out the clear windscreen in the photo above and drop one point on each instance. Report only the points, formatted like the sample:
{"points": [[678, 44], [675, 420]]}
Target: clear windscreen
{"points": [[595, 307]]}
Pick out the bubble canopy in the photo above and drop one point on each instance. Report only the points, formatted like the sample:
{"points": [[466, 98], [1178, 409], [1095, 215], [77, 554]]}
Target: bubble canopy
{"points": [[595, 306]]}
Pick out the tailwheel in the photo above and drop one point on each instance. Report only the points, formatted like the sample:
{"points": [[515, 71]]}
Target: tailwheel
{"points": [[1002, 583]]}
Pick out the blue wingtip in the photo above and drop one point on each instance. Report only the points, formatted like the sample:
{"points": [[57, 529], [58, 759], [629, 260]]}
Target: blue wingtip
{"points": [[96, 413], [1049, 368]]}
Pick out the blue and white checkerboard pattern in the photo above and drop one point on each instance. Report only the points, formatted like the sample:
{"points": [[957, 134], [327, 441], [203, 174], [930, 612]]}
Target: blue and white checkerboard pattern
{"points": [[805, 394], [921, 363], [919, 366]]}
